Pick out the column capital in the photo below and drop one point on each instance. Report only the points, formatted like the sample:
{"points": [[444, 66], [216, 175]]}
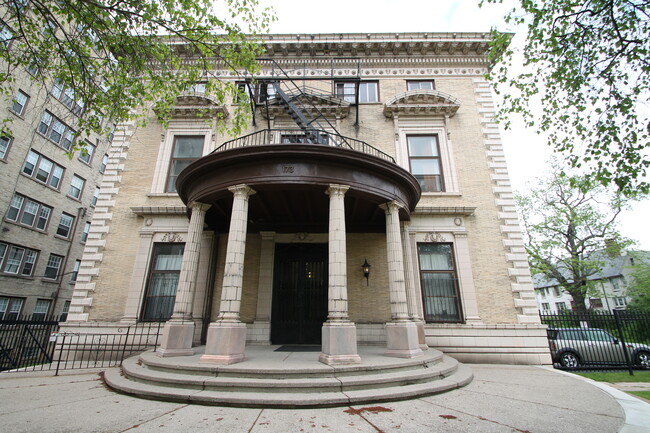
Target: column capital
{"points": [[391, 207], [241, 190], [405, 224], [337, 190], [198, 206]]}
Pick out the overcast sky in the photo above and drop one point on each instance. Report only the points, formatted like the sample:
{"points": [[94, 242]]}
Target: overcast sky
{"points": [[525, 151]]}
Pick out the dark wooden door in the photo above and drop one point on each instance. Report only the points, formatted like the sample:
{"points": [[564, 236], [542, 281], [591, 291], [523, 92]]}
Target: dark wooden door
{"points": [[299, 293]]}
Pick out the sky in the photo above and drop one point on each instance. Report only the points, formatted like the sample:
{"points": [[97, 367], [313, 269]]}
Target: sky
{"points": [[379, 16]]}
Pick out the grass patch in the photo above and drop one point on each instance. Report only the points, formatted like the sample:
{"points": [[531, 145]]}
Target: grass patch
{"points": [[617, 376], [642, 394]]}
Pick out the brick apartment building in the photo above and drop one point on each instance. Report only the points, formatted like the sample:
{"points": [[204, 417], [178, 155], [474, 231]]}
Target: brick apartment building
{"points": [[47, 197]]}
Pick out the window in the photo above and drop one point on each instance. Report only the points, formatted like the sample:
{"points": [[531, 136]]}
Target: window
{"points": [[187, 148], [596, 303], [41, 309], [10, 308], [28, 212], [17, 260], [6, 36], [76, 187], [102, 167], [64, 312], [93, 202], [75, 270], [561, 306], [56, 131], [556, 291], [84, 234], [86, 154], [43, 170], [620, 301], [20, 103], [53, 266], [420, 85], [439, 283], [66, 94], [546, 306], [424, 161], [65, 225], [615, 284], [368, 91], [164, 271], [5, 143]]}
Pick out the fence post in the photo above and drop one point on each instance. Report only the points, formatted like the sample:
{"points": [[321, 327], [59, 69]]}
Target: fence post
{"points": [[621, 339], [126, 340], [58, 362]]}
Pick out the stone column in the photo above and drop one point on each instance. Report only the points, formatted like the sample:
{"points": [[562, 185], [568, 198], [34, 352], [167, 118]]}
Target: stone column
{"points": [[226, 339], [265, 287], [339, 333], [401, 333], [411, 293], [179, 330]]}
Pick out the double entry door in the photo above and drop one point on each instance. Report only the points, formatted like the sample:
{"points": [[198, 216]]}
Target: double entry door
{"points": [[299, 293]]}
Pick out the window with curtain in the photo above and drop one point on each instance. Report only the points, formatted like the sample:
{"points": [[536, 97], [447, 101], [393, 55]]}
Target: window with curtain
{"points": [[439, 283], [162, 281]]}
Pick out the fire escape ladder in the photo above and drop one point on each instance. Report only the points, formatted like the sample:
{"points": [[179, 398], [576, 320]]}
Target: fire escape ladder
{"points": [[302, 109]]}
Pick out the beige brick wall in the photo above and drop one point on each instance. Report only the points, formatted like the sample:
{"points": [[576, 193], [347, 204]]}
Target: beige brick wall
{"points": [[366, 303]]}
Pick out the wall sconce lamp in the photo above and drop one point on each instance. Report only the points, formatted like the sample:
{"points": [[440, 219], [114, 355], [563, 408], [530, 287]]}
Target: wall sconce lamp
{"points": [[366, 270]]}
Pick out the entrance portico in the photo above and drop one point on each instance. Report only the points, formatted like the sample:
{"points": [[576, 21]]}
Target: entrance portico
{"points": [[300, 188]]}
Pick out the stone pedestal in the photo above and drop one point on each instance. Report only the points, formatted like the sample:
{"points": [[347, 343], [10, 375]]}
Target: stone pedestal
{"points": [[421, 336], [226, 343], [339, 344], [402, 340], [177, 339]]}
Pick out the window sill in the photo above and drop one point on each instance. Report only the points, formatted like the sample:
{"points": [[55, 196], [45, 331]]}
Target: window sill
{"points": [[18, 115], [442, 194], [17, 224], [163, 194], [62, 238], [74, 198], [47, 185]]}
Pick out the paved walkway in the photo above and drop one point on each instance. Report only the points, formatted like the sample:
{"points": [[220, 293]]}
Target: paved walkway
{"points": [[500, 399]]}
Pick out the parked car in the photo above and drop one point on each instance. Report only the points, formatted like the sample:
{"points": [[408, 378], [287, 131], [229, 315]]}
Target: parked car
{"points": [[573, 347]]}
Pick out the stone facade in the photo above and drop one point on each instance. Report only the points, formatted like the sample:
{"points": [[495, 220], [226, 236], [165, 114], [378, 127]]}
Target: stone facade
{"points": [[41, 254], [473, 215]]}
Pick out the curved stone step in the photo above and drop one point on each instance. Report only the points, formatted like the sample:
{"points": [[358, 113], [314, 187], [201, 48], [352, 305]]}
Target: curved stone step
{"points": [[136, 370], [116, 380], [269, 379]]}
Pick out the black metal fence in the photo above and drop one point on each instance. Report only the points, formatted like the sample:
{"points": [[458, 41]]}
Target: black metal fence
{"points": [[599, 340], [28, 345]]}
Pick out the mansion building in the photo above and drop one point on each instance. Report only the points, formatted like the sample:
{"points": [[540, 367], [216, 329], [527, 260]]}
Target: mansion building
{"points": [[368, 203]]}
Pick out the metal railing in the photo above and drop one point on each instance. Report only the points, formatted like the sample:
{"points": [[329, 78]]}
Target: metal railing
{"points": [[293, 136], [599, 340], [28, 345]]}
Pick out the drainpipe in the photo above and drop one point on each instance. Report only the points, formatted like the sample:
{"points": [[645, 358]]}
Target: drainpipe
{"points": [[81, 212]]}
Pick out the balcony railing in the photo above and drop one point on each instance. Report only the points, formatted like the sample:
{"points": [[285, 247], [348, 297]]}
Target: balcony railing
{"points": [[295, 136]]}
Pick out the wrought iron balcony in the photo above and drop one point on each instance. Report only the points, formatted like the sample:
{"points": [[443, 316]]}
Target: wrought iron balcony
{"points": [[299, 136]]}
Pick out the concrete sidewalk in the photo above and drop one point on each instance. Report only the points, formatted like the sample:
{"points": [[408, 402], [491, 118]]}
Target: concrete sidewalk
{"points": [[502, 398]]}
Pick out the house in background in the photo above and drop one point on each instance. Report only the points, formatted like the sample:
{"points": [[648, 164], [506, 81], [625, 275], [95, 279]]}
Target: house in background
{"points": [[610, 286], [363, 149], [47, 198]]}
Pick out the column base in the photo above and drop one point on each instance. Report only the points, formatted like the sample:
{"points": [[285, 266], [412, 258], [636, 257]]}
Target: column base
{"points": [[339, 344], [225, 343], [422, 342], [402, 340], [176, 339]]}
